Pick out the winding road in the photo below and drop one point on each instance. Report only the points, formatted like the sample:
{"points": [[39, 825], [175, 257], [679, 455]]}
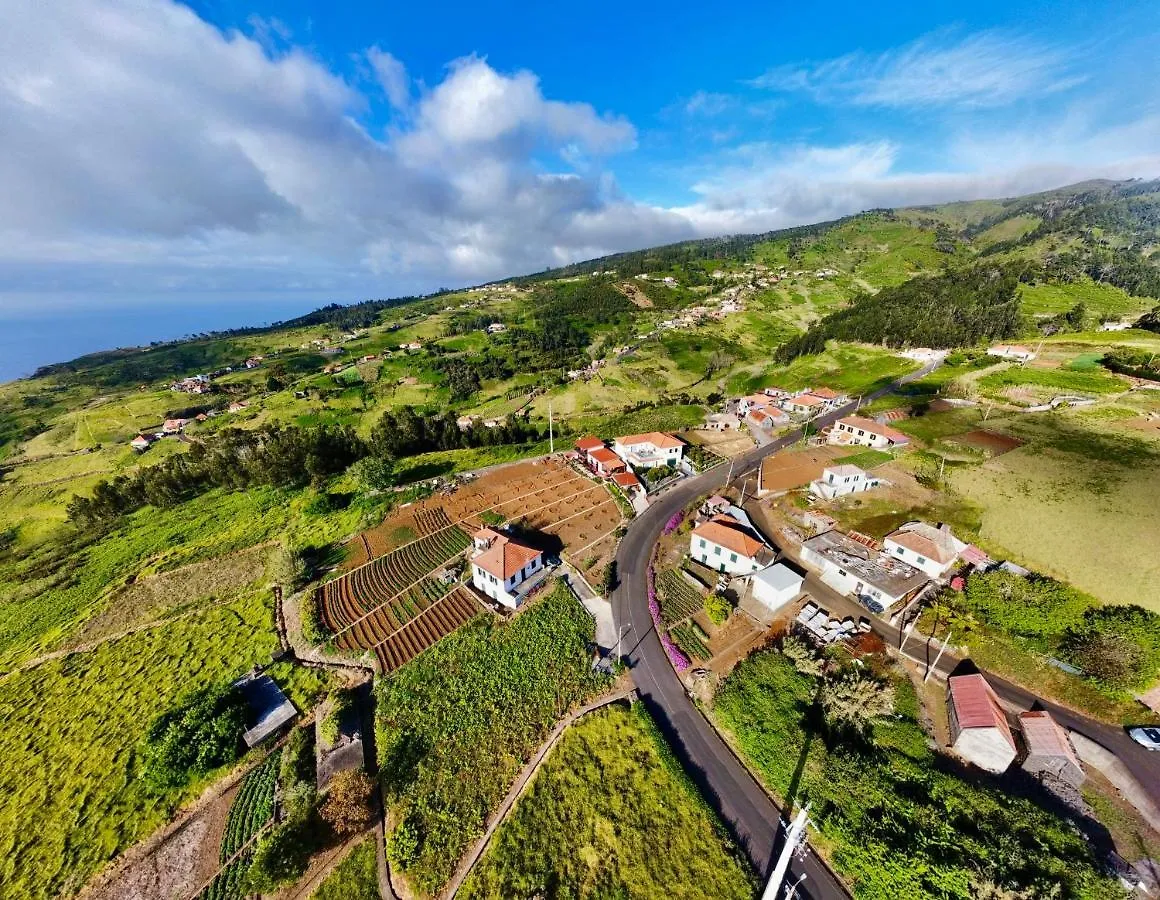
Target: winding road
{"points": [[745, 807], [740, 801]]}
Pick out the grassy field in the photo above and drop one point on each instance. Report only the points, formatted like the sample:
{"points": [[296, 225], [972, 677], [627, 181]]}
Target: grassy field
{"points": [[355, 878], [895, 818], [1100, 299], [852, 368], [608, 815], [70, 795], [456, 723], [1049, 382]]}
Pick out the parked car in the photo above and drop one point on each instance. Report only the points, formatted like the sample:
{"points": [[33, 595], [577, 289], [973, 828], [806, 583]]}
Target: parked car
{"points": [[1146, 736]]}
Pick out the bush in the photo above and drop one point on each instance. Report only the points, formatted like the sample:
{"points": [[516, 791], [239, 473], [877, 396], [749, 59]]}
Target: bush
{"points": [[718, 609], [310, 613], [349, 803], [1119, 646], [200, 733], [283, 853]]}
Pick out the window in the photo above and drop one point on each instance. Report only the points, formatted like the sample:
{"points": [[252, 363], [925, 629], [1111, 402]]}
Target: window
{"points": [[898, 551], [732, 557], [702, 542], [716, 551], [842, 572], [861, 433], [921, 560]]}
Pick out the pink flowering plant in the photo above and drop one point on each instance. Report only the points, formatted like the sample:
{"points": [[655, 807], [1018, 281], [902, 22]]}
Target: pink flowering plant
{"points": [[676, 655], [674, 522]]}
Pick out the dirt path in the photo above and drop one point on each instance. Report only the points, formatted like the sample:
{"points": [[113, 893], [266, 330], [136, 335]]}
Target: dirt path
{"points": [[468, 862]]}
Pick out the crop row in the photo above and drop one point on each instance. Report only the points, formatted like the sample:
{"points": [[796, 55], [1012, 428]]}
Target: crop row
{"points": [[356, 593], [253, 806], [229, 883], [689, 641], [429, 521], [679, 599], [440, 620]]}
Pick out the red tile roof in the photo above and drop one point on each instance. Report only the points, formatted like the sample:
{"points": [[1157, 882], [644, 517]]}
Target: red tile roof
{"points": [[806, 400], [589, 443], [926, 540], [626, 479], [505, 557], [727, 532], [606, 458], [977, 706], [825, 393], [656, 438]]}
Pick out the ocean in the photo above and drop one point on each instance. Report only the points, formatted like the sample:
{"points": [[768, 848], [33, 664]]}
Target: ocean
{"points": [[34, 334]]}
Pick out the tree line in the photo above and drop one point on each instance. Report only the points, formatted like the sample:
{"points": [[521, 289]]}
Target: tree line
{"points": [[955, 308]]}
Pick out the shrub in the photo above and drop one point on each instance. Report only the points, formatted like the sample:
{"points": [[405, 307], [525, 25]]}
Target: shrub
{"points": [[200, 733], [718, 609], [349, 802]]}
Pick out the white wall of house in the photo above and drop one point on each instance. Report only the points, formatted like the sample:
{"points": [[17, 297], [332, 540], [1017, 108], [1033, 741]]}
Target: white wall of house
{"points": [[505, 592], [832, 485], [860, 436], [774, 598], [930, 567], [846, 582], [721, 559], [986, 748], [647, 455]]}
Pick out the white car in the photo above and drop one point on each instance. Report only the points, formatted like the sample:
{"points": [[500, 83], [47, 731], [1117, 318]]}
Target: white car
{"points": [[1147, 736]]}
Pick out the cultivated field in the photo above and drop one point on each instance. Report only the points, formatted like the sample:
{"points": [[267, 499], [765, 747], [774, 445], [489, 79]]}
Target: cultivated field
{"points": [[394, 602]]}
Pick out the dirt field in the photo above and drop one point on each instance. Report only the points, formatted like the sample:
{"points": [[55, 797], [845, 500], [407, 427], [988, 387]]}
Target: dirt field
{"points": [[723, 443], [991, 442], [175, 866], [797, 468]]}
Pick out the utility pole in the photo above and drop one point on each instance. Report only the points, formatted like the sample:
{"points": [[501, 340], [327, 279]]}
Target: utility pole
{"points": [[551, 437], [934, 665], [795, 836], [619, 637]]}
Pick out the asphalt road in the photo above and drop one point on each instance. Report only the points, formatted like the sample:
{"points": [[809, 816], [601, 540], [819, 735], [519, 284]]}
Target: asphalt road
{"points": [[739, 800]]}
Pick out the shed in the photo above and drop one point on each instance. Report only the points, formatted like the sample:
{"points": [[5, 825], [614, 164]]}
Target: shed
{"points": [[979, 730], [776, 586], [269, 708], [1048, 748]]}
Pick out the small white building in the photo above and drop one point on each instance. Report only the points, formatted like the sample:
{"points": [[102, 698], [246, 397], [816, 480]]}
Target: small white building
{"points": [[501, 567], [650, 450], [979, 730], [496, 328], [858, 431], [142, 442], [838, 481], [754, 401], [724, 544], [931, 550], [877, 580], [1016, 352], [803, 405], [775, 586]]}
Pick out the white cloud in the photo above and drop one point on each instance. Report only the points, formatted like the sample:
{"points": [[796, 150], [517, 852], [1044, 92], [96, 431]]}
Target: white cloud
{"points": [[392, 77], [987, 69]]}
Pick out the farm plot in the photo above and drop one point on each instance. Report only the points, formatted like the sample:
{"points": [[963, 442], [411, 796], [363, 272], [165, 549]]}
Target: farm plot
{"points": [[433, 624], [679, 599], [367, 605], [253, 807]]}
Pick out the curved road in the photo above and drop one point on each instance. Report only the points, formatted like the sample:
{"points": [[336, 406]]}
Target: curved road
{"points": [[740, 801]]}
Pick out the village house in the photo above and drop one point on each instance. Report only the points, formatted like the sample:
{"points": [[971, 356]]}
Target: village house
{"points": [[628, 483], [722, 421], [1016, 352], [197, 384], [1049, 749], [877, 580], [649, 450], [465, 422], [237, 406], [754, 401], [832, 397], [605, 462], [803, 404], [932, 550], [768, 418], [412, 345], [724, 544], [775, 392], [173, 426], [979, 730], [254, 361], [496, 328], [142, 442], [838, 481], [859, 431], [501, 567]]}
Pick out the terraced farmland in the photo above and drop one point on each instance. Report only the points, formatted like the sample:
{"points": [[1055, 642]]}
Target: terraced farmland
{"points": [[679, 599], [442, 618], [367, 605]]}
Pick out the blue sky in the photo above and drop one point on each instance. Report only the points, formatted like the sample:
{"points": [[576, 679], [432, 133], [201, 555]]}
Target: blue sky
{"points": [[238, 147]]}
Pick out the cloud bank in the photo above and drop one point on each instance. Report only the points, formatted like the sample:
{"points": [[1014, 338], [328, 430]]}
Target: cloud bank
{"points": [[143, 149]]}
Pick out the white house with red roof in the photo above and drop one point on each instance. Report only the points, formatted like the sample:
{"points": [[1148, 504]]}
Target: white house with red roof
{"points": [[803, 404], [858, 431], [628, 483], [605, 462], [929, 549], [724, 544], [979, 730], [755, 401], [173, 426], [501, 566], [649, 450], [142, 442]]}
